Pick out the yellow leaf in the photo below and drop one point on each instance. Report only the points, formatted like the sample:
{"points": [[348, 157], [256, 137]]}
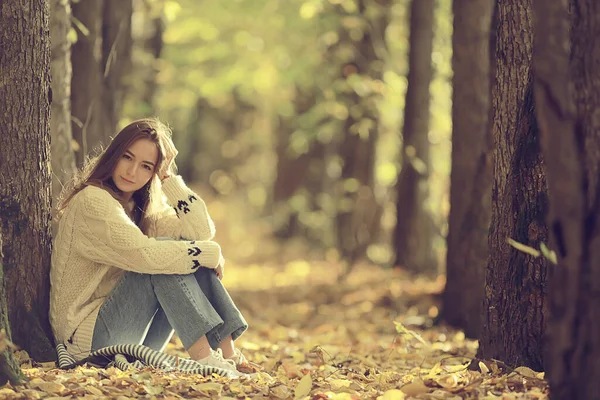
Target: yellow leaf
{"points": [[208, 388], [527, 372], [339, 383], [415, 388], [50, 387], [523, 248], [484, 369], [304, 387], [153, 390], [281, 392], [94, 390], [393, 394], [339, 396]]}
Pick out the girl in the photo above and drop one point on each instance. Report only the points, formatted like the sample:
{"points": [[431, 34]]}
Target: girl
{"points": [[113, 282]]}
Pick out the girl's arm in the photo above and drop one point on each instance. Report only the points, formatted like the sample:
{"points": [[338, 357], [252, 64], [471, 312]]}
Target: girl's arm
{"points": [[187, 218], [106, 235]]}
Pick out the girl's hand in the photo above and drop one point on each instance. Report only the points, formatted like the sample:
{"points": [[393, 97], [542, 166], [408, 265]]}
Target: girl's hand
{"points": [[168, 166], [220, 270]]}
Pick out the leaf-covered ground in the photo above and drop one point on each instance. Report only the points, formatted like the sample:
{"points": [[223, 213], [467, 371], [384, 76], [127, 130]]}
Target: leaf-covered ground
{"points": [[370, 338]]}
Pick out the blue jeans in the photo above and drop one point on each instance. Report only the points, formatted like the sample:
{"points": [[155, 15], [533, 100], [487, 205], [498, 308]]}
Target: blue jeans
{"points": [[147, 309]]}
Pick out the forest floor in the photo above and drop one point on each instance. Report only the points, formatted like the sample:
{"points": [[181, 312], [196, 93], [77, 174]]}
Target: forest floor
{"points": [[371, 337]]}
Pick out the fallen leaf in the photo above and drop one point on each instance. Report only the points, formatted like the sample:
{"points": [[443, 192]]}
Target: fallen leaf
{"points": [[304, 387], [95, 391], [393, 394], [50, 387], [414, 388]]}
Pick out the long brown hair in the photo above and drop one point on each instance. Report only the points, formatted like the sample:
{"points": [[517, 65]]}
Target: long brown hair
{"points": [[98, 170]]}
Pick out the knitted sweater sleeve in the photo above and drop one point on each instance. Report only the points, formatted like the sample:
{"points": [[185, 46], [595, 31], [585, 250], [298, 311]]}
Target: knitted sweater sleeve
{"points": [[106, 235], [187, 217]]}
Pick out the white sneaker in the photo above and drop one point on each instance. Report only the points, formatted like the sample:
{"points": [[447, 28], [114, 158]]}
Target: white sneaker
{"points": [[215, 359], [238, 358]]}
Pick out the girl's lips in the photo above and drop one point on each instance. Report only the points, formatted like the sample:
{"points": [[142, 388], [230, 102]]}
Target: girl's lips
{"points": [[126, 180]]}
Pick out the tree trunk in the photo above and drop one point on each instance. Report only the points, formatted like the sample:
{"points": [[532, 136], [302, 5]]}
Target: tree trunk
{"points": [[116, 59], [570, 139], [414, 228], [515, 289], [63, 158], [471, 176], [357, 222], [88, 127], [154, 45], [9, 369], [25, 98], [299, 173]]}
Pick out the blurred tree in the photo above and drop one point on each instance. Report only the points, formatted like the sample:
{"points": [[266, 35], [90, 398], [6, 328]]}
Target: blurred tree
{"points": [[154, 46], [147, 44], [414, 231], [471, 176], [570, 133], [116, 60], [101, 58], [300, 166], [63, 158], [88, 127], [214, 142], [515, 303], [25, 178], [9, 369], [360, 60]]}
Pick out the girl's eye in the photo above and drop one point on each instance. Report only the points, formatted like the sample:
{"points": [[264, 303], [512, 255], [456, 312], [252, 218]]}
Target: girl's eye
{"points": [[125, 156], [147, 167]]}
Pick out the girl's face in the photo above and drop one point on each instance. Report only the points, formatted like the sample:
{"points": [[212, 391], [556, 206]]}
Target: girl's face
{"points": [[136, 167]]}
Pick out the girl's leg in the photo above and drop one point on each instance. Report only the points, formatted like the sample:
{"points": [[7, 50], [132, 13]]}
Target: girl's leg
{"points": [[186, 307], [234, 324], [126, 314], [159, 332], [161, 301]]}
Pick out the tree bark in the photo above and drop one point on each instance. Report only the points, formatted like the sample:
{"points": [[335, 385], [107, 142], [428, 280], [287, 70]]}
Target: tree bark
{"points": [[414, 228], [88, 127], [515, 290], [25, 98], [116, 59], [570, 138], [471, 174], [357, 221], [9, 369], [63, 158]]}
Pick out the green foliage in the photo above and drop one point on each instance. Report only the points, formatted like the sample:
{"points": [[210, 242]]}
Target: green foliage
{"points": [[232, 76]]}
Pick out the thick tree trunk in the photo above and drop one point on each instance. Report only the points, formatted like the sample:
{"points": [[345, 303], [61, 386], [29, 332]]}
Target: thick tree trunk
{"points": [[471, 176], [515, 290], [571, 137], [63, 158], [25, 97], [357, 222], [414, 228], [9, 369], [88, 126], [116, 59]]}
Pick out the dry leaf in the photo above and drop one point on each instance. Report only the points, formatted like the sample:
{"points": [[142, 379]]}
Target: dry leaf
{"points": [[393, 394], [304, 387], [414, 388]]}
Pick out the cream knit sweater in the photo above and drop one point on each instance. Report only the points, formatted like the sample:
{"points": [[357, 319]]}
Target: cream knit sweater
{"points": [[97, 242]]}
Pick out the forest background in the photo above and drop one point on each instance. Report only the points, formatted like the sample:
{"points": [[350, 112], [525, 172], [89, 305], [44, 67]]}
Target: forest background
{"points": [[325, 135]]}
